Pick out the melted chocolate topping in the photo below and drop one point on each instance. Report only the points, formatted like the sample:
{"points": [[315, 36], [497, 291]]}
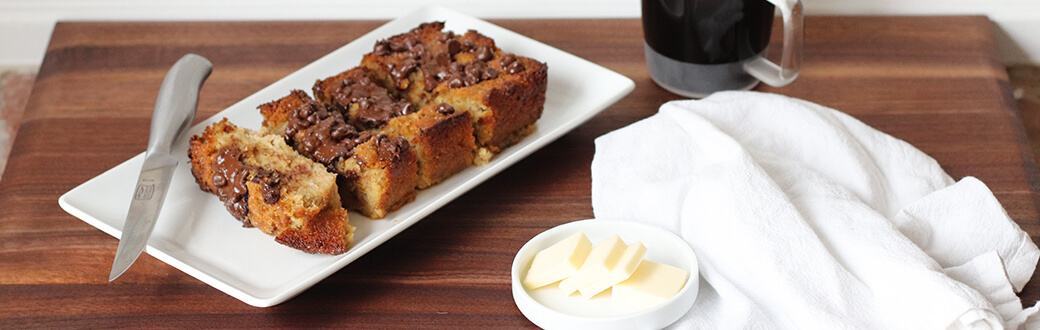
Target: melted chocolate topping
{"points": [[441, 67], [322, 134], [375, 104], [230, 175], [390, 148]]}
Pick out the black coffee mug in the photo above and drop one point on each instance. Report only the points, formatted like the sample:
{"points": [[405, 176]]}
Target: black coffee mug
{"points": [[698, 47]]}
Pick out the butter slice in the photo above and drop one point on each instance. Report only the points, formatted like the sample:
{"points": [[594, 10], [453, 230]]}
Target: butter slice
{"points": [[558, 261], [628, 263], [651, 284], [601, 260]]}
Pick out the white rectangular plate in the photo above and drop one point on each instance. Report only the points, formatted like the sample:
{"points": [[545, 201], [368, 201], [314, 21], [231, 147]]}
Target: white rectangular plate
{"points": [[197, 235]]}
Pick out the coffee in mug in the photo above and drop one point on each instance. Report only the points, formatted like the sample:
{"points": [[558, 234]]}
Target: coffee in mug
{"points": [[697, 47]]}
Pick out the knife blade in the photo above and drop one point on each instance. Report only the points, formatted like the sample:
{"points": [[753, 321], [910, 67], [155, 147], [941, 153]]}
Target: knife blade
{"points": [[174, 111]]}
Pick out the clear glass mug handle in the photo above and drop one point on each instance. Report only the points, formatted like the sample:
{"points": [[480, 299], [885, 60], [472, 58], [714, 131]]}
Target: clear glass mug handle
{"points": [[791, 62]]}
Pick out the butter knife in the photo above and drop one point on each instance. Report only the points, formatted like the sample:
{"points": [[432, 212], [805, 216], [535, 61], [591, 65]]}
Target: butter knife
{"points": [[174, 112]]}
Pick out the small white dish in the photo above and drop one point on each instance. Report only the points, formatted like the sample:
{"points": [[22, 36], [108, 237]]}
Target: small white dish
{"points": [[548, 308], [197, 235]]}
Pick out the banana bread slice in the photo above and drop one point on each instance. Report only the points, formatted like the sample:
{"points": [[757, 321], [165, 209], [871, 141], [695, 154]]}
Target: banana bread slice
{"points": [[504, 93], [378, 173], [440, 137], [267, 185]]}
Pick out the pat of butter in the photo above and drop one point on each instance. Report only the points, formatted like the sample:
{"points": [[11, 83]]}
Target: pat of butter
{"points": [[627, 264], [601, 260], [558, 261], [651, 284]]}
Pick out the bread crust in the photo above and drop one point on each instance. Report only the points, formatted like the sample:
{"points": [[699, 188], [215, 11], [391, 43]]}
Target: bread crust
{"points": [[443, 144]]}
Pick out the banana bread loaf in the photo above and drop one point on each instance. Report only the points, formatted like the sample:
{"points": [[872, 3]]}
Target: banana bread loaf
{"points": [[421, 107]]}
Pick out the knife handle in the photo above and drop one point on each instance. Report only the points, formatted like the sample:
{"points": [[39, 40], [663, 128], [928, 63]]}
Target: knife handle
{"points": [[177, 100]]}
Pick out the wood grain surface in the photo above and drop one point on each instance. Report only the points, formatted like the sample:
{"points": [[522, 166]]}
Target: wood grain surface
{"points": [[936, 82]]}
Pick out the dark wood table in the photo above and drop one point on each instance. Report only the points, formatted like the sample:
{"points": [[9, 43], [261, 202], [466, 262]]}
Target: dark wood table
{"points": [[936, 82]]}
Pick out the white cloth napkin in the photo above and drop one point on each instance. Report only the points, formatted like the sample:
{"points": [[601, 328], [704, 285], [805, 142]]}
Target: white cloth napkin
{"points": [[803, 217]]}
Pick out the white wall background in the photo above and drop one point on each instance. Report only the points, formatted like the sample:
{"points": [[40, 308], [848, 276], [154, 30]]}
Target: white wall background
{"points": [[26, 25]]}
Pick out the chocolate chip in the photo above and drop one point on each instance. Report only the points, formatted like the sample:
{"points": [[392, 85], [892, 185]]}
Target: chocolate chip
{"points": [[271, 195], [457, 67], [304, 111], [454, 47], [405, 108], [456, 82], [445, 109], [485, 54], [410, 42], [371, 121], [471, 80], [382, 48], [397, 46], [431, 81], [490, 74], [473, 70], [507, 60], [515, 67], [416, 51]]}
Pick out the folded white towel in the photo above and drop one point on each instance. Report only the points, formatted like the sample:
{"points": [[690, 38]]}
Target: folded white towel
{"points": [[804, 217]]}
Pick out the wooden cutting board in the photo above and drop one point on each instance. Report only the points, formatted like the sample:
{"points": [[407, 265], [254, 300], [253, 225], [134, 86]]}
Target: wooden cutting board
{"points": [[936, 82]]}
